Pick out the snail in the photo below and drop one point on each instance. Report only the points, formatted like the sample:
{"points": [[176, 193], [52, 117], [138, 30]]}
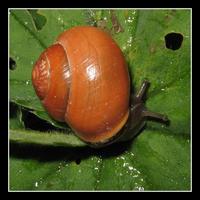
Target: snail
{"points": [[83, 80]]}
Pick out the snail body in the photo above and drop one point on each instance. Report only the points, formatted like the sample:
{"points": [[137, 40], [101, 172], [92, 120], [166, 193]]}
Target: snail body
{"points": [[83, 80]]}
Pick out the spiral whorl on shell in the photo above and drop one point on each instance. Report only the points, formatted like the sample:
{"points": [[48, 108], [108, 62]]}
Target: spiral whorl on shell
{"points": [[83, 79], [50, 79]]}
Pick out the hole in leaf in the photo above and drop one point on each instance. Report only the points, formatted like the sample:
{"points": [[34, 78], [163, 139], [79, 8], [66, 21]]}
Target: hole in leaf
{"points": [[78, 161], [173, 40], [38, 20], [12, 64]]}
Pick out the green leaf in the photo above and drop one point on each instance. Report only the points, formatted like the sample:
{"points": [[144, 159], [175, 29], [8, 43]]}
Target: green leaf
{"points": [[38, 19], [155, 161], [158, 158], [40, 138]]}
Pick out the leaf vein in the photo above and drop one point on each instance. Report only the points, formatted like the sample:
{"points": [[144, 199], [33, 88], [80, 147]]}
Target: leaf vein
{"points": [[43, 45]]}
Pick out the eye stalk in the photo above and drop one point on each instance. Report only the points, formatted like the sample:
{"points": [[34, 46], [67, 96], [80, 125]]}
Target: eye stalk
{"points": [[137, 118]]}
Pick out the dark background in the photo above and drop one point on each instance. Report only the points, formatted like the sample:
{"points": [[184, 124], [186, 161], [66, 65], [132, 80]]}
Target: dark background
{"points": [[4, 84]]}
